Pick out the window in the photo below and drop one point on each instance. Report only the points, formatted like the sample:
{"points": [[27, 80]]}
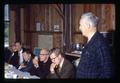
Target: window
{"points": [[6, 25]]}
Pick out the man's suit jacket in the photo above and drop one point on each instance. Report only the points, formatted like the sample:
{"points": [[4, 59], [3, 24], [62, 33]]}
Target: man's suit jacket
{"points": [[42, 71], [7, 54], [14, 60], [67, 71], [28, 66]]}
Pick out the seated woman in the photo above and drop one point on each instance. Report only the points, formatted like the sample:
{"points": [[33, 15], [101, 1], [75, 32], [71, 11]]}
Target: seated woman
{"points": [[27, 63]]}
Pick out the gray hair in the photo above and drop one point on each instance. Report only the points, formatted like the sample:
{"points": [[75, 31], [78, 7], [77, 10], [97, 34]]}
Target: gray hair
{"points": [[90, 18], [57, 51]]}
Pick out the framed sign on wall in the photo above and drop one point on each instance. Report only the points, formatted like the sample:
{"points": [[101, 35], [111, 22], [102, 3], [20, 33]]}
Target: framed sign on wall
{"points": [[45, 41]]}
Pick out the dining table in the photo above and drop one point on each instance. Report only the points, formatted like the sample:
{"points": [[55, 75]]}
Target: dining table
{"points": [[10, 72]]}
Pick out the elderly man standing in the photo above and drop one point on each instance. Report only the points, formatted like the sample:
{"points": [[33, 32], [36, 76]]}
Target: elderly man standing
{"points": [[96, 61]]}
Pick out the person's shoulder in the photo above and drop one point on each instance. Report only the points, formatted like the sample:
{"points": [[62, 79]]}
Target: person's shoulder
{"points": [[99, 39], [49, 61], [67, 62], [31, 61], [99, 36], [6, 49], [24, 48]]}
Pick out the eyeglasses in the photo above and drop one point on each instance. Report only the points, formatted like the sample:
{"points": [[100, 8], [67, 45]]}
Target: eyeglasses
{"points": [[43, 54], [54, 58]]}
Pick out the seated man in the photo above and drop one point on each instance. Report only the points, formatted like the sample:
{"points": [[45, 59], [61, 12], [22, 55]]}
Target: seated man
{"points": [[14, 58], [27, 61], [41, 64], [20, 50], [36, 62], [7, 54], [60, 67]]}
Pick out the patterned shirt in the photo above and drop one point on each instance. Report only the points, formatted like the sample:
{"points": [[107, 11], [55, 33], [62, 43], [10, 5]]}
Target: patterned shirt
{"points": [[95, 60]]}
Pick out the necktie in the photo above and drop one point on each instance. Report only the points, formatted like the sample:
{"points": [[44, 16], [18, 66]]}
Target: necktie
{"points": [[57, 71]]}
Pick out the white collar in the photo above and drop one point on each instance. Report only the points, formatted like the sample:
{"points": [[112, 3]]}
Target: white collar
{"points": [[91, 37], [61, 63], [21, 51]]}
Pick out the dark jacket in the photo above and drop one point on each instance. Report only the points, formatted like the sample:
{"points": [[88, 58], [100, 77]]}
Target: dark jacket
{"points": [[96, 61], [14, 60], [42, 71], [28, 66], [7, 54], [67, 71]]}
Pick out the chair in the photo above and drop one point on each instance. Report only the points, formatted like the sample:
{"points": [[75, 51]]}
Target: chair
{"points": [[36, 51]]}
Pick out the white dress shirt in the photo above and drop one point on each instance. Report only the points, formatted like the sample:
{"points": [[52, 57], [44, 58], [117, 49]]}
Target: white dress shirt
{"points": [[20, 56], [61, 64]]}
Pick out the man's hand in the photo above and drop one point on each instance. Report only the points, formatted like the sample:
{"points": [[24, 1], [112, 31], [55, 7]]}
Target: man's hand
{"points": [[35, 62], [22, 66], [52, 66]]}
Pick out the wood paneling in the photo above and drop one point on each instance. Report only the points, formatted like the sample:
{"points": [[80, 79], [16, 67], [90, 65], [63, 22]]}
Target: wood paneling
{"points": [[57, 42], [12, 27], [27, 36], [22, 24], [106, 13], [77, 11], [47, 15], [51, 14]]}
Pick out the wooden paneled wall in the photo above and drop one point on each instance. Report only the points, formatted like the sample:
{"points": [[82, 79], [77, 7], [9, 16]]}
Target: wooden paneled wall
{"points": [[51, 14], [106, 13], [12, 27], [47, 15]]}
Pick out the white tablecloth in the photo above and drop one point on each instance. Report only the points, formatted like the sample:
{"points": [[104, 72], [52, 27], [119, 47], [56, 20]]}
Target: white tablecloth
{"points": [[10, 72]]}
